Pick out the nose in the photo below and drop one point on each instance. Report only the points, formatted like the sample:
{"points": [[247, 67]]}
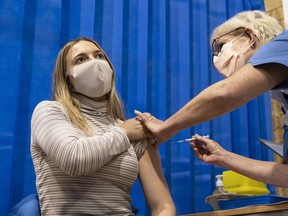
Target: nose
{"points": [[91, 57]]}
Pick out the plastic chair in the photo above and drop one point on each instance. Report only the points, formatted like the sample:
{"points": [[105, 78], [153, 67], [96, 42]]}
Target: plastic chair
{"points": [[29, 206]]}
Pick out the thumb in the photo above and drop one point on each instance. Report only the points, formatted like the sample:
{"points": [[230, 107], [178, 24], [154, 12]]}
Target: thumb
{"points": [[140, 115]]}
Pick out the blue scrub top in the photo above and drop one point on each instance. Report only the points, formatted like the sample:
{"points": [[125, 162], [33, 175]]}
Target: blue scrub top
{"points": [[273, 52], [276, 51]]}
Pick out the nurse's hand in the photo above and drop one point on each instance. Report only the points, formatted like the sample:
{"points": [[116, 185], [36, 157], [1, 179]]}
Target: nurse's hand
{"points": [[207, 150], [154, 125], [135, 130]]}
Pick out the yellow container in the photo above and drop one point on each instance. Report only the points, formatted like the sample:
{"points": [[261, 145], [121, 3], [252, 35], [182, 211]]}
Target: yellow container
{"points": [[240, 184]]}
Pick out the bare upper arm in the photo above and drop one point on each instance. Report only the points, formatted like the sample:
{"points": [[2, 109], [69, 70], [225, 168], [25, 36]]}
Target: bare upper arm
{"points": [[153, 183], [151, 168], [264, 77], [276, 73]]}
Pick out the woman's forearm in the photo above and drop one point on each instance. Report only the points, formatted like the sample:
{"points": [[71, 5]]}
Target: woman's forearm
{"points": [[168, 209]]}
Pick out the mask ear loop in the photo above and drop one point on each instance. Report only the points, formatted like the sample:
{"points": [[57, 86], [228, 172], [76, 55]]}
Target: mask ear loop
{"points": [[252, 37], [229, 43], [237, 38]]}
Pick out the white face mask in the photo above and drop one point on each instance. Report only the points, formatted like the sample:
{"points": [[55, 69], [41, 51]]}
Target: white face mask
{"points": [[229, 61], [92, 78]]}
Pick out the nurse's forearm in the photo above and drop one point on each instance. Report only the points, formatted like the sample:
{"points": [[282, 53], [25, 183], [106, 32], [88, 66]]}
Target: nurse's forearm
{"points": [[221, 98], [214, 101], [264, 171]]}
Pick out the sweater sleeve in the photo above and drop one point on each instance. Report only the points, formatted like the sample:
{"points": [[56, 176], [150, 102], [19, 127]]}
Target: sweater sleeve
{"points": [[139, 147], [75, 154]]}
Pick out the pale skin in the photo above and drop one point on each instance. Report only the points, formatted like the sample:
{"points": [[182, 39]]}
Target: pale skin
{"points": [[212, 153], [154, 185], [151, 176]]}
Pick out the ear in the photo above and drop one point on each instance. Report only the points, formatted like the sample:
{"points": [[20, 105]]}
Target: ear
{"points": [[252, 37]]}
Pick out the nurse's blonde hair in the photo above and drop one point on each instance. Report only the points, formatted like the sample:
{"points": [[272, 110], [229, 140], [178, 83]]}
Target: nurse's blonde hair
{"points": [[263, 26]]}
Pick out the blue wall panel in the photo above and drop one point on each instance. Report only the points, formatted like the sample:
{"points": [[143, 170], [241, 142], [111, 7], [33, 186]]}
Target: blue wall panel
{"points": [[23, 96], [160, 50], [10, 35]]}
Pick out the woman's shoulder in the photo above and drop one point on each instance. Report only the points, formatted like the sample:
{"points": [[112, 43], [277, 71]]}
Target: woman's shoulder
{"points": [[49, 106], [48, 103]]}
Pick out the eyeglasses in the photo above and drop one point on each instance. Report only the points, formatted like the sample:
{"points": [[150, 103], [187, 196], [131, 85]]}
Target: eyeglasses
{"points": [[216, 47]]}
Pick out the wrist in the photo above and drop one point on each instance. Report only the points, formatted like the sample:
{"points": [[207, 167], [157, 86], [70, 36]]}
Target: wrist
{"points": [[168, 129], [225, 159]]}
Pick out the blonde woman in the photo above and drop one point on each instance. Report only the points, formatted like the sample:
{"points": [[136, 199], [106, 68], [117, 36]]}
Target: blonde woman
{"points": [[86, 155]]}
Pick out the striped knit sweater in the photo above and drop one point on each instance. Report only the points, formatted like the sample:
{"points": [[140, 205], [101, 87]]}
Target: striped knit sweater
{"points": [[80, 175]]}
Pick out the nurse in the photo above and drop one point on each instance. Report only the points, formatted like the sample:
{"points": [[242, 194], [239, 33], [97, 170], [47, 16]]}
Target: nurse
{"points": [[249, 71]]}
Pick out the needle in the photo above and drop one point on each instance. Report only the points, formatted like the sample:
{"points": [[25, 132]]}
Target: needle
{"points": [[188, 140]]}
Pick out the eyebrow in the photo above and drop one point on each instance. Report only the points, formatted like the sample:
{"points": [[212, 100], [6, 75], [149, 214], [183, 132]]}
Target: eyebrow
{"points": [[83, 53]]}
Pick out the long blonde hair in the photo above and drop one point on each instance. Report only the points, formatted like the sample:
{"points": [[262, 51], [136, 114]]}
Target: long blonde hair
{"points": [[62, 94]]}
